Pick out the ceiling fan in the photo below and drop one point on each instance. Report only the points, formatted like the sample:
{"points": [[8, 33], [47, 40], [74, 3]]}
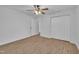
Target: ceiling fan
{"points": [[38, 10]]}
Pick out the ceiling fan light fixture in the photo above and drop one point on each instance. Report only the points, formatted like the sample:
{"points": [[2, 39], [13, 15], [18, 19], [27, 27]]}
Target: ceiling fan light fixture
{"points": [[40, 12], [37, 12]]}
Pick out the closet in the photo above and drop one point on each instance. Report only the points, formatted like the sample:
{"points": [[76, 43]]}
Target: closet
{"points": [[57, 26], [60, 27]]}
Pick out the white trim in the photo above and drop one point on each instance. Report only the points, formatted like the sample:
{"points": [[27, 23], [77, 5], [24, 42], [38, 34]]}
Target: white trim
{"points": [[19, 38]]}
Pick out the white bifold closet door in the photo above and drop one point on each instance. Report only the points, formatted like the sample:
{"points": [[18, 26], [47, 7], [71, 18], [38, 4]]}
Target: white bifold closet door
{"points": [[60, 27]]}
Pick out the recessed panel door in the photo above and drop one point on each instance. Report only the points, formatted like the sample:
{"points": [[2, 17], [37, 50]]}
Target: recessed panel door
{"points": [[60, 27]]}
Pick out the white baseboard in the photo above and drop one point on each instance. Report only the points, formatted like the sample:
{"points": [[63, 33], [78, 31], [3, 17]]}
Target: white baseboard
{"points": [[70, 40], [15, 39]]}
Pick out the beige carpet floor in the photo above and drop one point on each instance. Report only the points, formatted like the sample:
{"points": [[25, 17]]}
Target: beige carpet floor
{"points": [[39, 45]]}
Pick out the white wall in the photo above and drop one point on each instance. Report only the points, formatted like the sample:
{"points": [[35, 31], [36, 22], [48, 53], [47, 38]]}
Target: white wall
{"points": [[14, 25], [44, 26], [77, 25], [34, 25]]}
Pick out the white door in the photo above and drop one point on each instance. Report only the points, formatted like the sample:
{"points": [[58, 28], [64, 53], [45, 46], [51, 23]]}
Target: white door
{"points": [[60, 27]]}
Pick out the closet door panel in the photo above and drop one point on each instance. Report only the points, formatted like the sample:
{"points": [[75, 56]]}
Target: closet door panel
{"points": [[60, 27]]}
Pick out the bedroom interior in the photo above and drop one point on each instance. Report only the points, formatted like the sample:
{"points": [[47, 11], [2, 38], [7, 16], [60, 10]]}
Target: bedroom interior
{"points": [[39, 29]]}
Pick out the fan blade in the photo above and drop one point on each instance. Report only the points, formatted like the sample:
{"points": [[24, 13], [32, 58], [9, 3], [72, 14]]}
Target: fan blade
{"points": [[34, 6], [45, 9], [43, 12], [38, 6]]}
